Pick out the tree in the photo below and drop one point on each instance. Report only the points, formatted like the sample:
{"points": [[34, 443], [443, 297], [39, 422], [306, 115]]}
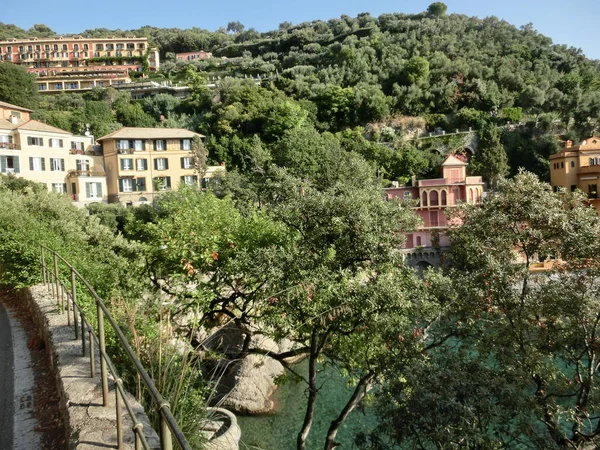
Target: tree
{"points": [[17, 86], [235, 27], [529, 341], [437, 9], [490, 160]]}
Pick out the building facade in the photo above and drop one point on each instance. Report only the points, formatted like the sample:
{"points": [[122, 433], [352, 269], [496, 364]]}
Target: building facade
{"points": [[144, 162], [63, 162], [433, 197], [578, 167], [193, 56], [76, 63]]}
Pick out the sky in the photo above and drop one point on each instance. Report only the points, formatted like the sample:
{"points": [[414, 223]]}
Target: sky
{"points": [[570, 22]]}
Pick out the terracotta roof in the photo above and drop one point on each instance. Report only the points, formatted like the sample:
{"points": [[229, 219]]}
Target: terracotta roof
{"points": [[452, 160], [150, 133], [30, 125], [9, 106]]}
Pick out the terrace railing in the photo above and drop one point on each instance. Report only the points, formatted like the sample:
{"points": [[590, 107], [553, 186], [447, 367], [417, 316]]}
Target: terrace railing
{"points": [[55, 269]]}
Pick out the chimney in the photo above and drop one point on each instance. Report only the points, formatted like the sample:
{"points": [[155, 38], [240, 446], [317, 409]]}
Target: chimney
{"points": [[414, 180], [569, 144]]}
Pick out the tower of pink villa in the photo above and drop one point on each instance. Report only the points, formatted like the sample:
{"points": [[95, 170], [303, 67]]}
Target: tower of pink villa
{"points": [[434, 196]]}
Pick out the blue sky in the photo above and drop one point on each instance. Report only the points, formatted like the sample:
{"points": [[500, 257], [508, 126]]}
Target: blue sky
{"points": [[571, 22]]}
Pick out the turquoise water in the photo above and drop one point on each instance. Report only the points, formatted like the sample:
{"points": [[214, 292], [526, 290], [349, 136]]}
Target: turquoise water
{"points": [[278, 431]]}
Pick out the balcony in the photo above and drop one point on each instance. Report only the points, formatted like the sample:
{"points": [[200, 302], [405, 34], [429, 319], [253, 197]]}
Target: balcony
{"points": [[85, 173], [9, 146], [125, 151]]}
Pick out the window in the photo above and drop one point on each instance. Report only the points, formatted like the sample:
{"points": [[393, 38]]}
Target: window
{"points": [[76, 145], [74, 85], [162, 183], [83, 164], [186, 144], [141, 164], [433, 198], [109, 46], [141, 184], [187, 163], [36, 164], [35, 141], [159, 145], [433, 218], [562, 165], [85, 47], [57, 86], [76, 47], [424, 199], [61, 188], [123, 144], [99, 46], [573, 187], [56, 143], [419, 241], [93, 190], [17, 114], [189, 180], [572, 163], [130, 46], [139, 145], [161, 164], [64, 47], [5, 141], [127, 164], [593, 191], [57, 164], [9, 164], [42, 87], [126, 185]]}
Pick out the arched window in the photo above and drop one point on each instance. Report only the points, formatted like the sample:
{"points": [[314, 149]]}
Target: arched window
{"points": [[470, 195], [424, 199], [444, 199], [434, 198]]}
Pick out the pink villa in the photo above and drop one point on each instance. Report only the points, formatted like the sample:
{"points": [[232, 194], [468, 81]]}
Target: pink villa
{"points": [[433, 197]]}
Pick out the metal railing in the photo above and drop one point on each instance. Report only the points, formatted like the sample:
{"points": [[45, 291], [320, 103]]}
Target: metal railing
{"points": [[67, 297]]}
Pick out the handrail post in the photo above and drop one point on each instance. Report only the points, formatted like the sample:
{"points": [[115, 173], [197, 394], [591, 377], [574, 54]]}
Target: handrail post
{"points": [[119, 418], [74, 299], [102, 345], [92, 362], [43, 258], [56, 279], [166, 442], [82, 333]]}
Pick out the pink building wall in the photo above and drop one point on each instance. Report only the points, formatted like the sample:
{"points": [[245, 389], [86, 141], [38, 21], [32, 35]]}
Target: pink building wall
{"points": [[434, 197]]}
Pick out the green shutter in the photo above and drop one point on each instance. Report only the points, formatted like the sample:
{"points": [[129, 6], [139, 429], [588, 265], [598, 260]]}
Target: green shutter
{"points": [[120, 185], [31, 163], [62, 162], [29, 140], [87, 190], [133, 185], [64, 188], [141, 184], [168, 182], [60, 144], [166, 164], [122, 164], [156, 164], [3, 164], [43, 163], [182, 162], [16, 164], [99, 185]]}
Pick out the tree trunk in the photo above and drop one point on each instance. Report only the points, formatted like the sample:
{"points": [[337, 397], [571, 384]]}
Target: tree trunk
{"points": [[312, 392], [359, 392]]}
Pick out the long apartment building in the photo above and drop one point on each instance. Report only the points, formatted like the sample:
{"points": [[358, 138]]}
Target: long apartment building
{"points": [[63, 162], [144, 162], [131, 166], [76, 63]]}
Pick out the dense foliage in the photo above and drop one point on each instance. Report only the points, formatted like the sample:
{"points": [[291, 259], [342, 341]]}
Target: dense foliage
{"points": [[451, 71]]}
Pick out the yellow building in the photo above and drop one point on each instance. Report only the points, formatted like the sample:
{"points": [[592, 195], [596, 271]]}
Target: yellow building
{"points": [[143, 162], [578, 167], [63, 162], [77, 63]]}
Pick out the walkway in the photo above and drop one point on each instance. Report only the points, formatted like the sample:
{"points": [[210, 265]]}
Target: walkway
{"points": [[17, 423]]}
